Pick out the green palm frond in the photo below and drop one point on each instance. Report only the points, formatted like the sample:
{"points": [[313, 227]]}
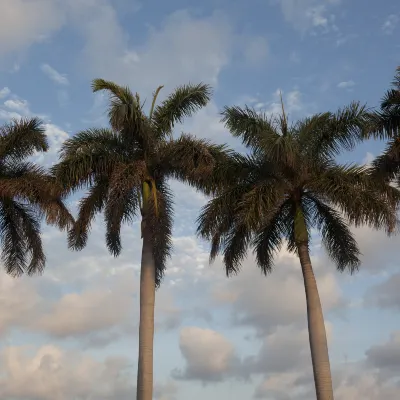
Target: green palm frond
{"points": [[182, 103], [123, 201], [89, 206], [198, 162], [327, 134], [359, 195], [337, 238], [269, 237], [22, 250], [160, 220], [256, 130], [387, 165], [86, 155], [20, 139], [125, 110]]}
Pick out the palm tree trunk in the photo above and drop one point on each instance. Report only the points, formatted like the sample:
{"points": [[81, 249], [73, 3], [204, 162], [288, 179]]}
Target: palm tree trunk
{"points": [[316, 328], [144, 390]]}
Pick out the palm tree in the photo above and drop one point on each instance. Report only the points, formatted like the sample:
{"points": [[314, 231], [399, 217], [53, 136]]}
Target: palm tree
{"points": [[386, 125], [27, 193], [126, 170], [288, 184]]}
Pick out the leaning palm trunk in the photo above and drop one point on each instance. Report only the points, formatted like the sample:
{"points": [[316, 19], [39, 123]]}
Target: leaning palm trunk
{"points": [[146, 325], [316, 329]]}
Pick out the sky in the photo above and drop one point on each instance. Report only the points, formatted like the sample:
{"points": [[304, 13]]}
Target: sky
{"points": [[72, 333]]}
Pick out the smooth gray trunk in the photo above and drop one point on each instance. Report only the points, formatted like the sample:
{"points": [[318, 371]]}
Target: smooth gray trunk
{"points": [[146, 325], [316, 329]]}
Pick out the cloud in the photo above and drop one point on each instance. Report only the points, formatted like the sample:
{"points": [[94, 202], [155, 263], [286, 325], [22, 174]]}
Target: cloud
{"points": [[386, 356], [256, 50], [265, 303], [4, 92], [385, 294], [185, 48], [307, 15], [51, 373], [23, 23], [346, 84], [208, 355], [95, 309], [55, 76], [390, 24]]}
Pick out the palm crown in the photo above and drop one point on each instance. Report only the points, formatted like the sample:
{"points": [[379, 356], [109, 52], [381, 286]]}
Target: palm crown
{"points": [[27, 193], [386, 125], [291, 183], [127, 167]]}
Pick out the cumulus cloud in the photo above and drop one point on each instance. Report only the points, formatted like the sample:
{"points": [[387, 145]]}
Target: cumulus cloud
{"points": [[50, 373], [264, 303], [208, 355]]}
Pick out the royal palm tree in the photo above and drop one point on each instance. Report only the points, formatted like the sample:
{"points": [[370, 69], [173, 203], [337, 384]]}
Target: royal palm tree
{"points": [[386, 125], [126, 169], [27, 193], [288, 184]]}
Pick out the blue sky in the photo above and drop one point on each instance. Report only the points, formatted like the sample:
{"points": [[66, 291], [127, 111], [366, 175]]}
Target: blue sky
{"points": [[73, 332]]}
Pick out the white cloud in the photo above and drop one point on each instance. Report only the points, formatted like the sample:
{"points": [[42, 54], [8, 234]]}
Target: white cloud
{"points": [[307, 15], [51, 373], [390, 24], [4, 92], [54, 75], [346, 84], [209, 356], [20, 106], [184, 49], [267, 302]]}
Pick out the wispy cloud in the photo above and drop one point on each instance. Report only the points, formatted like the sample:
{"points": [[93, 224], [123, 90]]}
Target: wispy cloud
{"points": [[54, 75], [390, 24], [346, 84], [4, 92]]}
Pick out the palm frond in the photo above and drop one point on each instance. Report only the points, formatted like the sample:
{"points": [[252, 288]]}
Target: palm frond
{"points": [[357, 192], [255, 129], [325, 135], [160, 220], [122, 202], [90, 153], [337, 238], [89, 206], [21, 138], [269, 237], [22, 250], [197, 162], [183, 102]]}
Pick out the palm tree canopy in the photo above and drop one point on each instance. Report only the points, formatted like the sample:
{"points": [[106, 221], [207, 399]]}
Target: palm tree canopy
{"points": [[385, 124], [133, 160], [289, 184], [27, 193]]}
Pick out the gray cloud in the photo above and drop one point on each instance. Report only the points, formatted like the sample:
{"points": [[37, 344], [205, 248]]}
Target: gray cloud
{"points": [[209, 356], [53, 374], [385, 294], [265, 303]]}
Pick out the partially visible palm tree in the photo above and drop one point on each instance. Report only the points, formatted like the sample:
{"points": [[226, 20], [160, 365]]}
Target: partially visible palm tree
{"points": [[386, 125], [126, 170], [27, 193], [288, 185]]}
